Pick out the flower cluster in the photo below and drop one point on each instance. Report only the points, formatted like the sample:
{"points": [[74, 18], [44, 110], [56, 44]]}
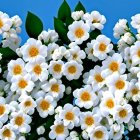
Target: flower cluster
{"points": [[86, 89]]}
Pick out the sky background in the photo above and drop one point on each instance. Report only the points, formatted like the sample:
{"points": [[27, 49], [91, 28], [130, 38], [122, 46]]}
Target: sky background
{"points": [[47, 9]]}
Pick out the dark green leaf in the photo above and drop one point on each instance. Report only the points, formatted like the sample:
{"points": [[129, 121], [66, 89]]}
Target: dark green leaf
{"points": [[80, 7], [69, 20], [95, 33], [64, 11], [7, 53], [61, 29], [34, 25]]}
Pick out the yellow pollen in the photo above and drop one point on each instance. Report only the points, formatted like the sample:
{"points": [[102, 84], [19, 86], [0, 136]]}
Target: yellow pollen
{"points": [[72, 69], [22, 83], [69, 116], [59, 129], [102, 47], [123, 113], [27, 103], [17, 70], [55, 88], [37, 69], [89, 121], [99, 134], [138, 53], [135, 91], [114, 66], [19, 120], [44, 105], [98, 78], [1, 23], [2, 109], [33, 51], [85, 96], [91, 51], [75, 56], [79, 32], [7, 133], [57, 68], [110, 103], [95, 21], [120, 84]]}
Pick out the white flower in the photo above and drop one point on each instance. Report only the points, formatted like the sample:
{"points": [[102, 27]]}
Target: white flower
{"points": [[37, 69], [27, 104], [77, 15], [70, 115], [40, 130], [85, 97], [5, 22], [135, 21], [72, 70], [137, 123], [49, 36], [95, 20], [7, 133], [88, 120], [54, 88], [33, 49], [95, 78], [76, 54], [58, 131], [4, 110], [120, 28], [117, 84], [45, 106], [102, 46], [78, 32], [16, 68], [22, 84], [16, 20], [135, 53], [99, 133], [113, 64], [56, 68], [123, 113], [20, 122]]}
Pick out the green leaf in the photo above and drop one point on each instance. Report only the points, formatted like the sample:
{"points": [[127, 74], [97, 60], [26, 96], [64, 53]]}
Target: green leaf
{"points": [[95, 33], [61, 29], [7, 53], [34, 25], [64, 11], [80, 7], [69, 20]]}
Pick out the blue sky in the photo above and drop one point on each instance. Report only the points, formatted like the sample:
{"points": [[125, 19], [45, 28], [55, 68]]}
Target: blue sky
{"points": [[47, 9]]}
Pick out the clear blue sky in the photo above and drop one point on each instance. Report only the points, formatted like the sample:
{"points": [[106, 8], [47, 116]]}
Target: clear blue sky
{"points": [[47, 9]]}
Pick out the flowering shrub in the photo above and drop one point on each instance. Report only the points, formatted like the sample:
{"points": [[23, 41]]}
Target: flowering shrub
{"points": [[71, 83]]}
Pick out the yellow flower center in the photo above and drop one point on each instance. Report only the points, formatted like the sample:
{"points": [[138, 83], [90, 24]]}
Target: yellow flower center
{"points": [[138, 53], [95, 21], [44, 105], [102, 47], [37, 69], [17, 70], [33, 51], [27, 103], [120, 84], [89, 120], [98, 78], [110, 103], [2, 109], [55, 88], [57, 68], [85, 96], [59, 129], [99, 134], [75, 56], [114, 66], [123, 113], [19, 120], [69, 116], [135, 91], [79, 32], [7, 133], [1, 23], [22, 83], [72, 69]]}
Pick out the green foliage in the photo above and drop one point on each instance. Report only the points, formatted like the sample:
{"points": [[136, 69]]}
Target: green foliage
{"points": [[34, 25], [80, 7], [95, 33]]}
